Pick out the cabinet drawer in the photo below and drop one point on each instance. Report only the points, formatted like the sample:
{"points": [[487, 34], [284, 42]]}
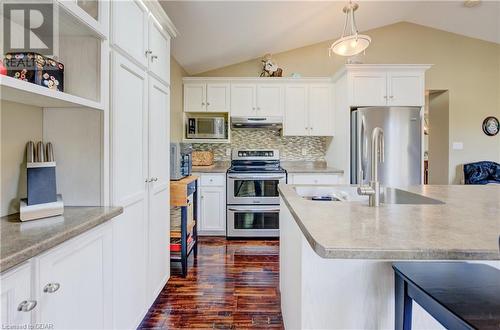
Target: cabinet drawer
{"points": [[315, 179], [213, 180]]}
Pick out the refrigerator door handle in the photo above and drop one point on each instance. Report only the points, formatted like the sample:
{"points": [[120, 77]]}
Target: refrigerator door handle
{"points": [[362, 150]]}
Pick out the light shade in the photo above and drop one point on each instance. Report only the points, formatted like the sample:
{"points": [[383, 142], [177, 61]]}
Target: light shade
{"points": [[351, 45]]}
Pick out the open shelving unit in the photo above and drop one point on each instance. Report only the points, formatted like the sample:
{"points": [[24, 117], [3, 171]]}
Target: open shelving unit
{"points": [[76, 121]]}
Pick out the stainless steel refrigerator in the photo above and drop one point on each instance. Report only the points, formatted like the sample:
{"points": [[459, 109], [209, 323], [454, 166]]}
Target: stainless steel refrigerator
{"points": [[403, 145]]}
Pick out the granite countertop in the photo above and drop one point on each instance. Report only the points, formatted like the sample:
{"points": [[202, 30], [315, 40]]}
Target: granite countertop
{"points": [[466, 227], [309, 167], [217, 167], [21, 241]]}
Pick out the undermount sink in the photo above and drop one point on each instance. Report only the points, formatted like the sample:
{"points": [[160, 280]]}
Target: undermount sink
{"points": [[350, 194]]}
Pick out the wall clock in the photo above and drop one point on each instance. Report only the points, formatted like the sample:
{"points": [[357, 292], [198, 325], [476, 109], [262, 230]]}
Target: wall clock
{"points": [[491, 126]]}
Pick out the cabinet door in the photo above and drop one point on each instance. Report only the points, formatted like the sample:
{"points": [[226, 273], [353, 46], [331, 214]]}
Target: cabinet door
{"points": [[159, 45], [270, 99], [296, 110], [406, 89], [194, 97], [218, 97], [368, 88], [315, 179], [129, 28], [243, 100], [213, 209], [320, 110], [75, 282], [159, 190], [16, 289], [129, 189]]}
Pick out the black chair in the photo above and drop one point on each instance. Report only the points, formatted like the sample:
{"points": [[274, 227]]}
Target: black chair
{"points": [[482, 173], [459, 295]]}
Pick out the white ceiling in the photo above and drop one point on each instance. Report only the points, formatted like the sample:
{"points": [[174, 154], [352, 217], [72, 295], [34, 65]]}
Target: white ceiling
{"points": [[214, 34]]}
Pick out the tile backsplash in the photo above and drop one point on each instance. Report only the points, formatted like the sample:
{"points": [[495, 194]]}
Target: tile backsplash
{"points": [[290, 147]]}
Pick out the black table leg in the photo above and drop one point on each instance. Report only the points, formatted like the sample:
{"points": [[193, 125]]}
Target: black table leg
{"points": [[403, 304]]}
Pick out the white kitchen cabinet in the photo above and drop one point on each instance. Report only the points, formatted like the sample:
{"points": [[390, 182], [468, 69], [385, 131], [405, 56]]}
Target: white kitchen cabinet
{"points": [[308, 110], [159, 51], [206, 97], [17, 302], [405, 88], [129, 28], [139, 178], [386, 86], [314, 178], [75, 282], [257, 100], [243, 99], [159, 192], [212, 204], [296, 110]]}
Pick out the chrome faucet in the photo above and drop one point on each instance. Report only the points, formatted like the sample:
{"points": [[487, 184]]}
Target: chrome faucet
{"points": [[377, 156]]}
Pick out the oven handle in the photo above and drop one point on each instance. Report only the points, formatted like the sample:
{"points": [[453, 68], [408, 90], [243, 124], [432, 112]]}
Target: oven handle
{"points": [[254, 210], [238, 177]]}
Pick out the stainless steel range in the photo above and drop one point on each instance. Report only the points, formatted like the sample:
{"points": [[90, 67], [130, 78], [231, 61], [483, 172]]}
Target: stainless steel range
{"points": [[252, 193]]}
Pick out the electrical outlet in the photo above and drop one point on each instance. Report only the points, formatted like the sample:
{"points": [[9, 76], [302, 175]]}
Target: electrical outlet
{"points": [[228, 152], [304, 151]]}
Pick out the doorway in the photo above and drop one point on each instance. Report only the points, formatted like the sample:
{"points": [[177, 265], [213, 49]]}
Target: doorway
{"points": [[436, 137]]}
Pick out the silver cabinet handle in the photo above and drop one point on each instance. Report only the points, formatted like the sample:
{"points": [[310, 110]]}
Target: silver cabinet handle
{"points": [[208, 103], [154, 57], [147, 52], [392, 96], [26, 306], [51, 287], [202, 103], [155, 179]]}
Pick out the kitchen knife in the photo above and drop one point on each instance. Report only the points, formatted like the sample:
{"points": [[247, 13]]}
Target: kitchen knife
{"points": [[40, 152], [50, 152], [30, 152]]}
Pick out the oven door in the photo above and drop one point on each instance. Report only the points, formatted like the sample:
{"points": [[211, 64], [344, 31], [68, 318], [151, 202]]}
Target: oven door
{"points": [[253, 221], [254, 188]]}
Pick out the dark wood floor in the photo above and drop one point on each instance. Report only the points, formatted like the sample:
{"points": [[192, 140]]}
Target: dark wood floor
{"points": [[232, 285]]}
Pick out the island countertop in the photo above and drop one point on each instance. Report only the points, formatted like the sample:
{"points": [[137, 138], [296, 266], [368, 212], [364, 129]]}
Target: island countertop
{"points": [[21, 241], [466, 227]]}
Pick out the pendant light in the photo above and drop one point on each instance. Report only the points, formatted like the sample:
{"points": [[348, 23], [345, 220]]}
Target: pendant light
{"points": [[352, 43]]}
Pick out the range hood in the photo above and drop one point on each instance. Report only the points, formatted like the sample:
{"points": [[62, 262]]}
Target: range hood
{"points": [[257, 122]]}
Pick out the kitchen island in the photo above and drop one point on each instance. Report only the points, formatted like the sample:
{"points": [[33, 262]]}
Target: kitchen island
{"points": [[335, 257]]}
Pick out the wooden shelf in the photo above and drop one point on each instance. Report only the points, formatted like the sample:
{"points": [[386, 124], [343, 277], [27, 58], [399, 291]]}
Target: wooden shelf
{"points": [[19, 91]]}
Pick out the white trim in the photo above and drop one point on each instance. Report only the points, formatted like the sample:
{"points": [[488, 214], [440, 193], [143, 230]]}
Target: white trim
{"points": [[159, 13]]}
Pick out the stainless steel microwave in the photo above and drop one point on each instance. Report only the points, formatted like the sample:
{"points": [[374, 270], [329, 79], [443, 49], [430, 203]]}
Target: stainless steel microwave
{"points": [[206, 128]]}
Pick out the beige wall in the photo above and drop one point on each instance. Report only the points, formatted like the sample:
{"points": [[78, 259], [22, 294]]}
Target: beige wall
{"points": [[438, 137], [469, 68], [176, 74], [19, 124]]}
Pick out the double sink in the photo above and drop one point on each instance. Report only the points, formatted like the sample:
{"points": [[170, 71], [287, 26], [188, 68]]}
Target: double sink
{"points": [[350, 194]]}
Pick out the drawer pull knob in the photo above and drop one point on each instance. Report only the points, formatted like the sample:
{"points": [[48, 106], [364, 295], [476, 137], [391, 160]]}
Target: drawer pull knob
{"points": [[51, 287], [26, 306]]}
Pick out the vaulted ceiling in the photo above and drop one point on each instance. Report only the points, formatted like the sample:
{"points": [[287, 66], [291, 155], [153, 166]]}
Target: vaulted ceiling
{"points": [[214, 34]]}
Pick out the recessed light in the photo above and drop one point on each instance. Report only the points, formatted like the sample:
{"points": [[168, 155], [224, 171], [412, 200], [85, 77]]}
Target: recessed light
{"points": [[472, 3]]}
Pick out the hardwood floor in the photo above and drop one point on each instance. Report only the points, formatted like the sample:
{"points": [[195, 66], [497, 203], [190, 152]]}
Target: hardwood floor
{"points": [[232, 285]]}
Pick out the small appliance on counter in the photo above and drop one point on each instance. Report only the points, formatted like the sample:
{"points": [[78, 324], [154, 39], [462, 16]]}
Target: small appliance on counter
{"points": [[42, 200], [181, 161], [203, 158], [36, 69], [206, 128], [253, 203]]}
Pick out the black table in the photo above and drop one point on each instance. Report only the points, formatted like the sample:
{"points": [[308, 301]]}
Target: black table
{"points": [[459, 295]]}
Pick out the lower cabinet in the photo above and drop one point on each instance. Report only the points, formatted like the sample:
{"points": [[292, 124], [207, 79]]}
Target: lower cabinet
{"points": [[314, 178], [212, 205], [17, 301], [74, 282]]}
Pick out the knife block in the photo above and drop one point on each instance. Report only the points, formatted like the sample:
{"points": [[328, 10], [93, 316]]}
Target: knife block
{"points": [[41, 179]]}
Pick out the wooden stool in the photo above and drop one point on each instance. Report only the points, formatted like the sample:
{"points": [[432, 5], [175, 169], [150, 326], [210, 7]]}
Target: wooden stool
{"points": [[459, 295]]}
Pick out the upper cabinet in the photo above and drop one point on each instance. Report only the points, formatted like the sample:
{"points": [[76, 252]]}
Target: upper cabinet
{"points": [[257, 100], [206, 97], [308, 110], [141, 37], [386, 85]]}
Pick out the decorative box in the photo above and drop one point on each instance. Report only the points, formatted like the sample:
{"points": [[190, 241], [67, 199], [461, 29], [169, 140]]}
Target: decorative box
{"points": [[36, 69]]}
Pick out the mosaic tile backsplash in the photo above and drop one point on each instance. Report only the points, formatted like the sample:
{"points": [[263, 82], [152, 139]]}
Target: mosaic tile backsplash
{"points": [[290, 147]]}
